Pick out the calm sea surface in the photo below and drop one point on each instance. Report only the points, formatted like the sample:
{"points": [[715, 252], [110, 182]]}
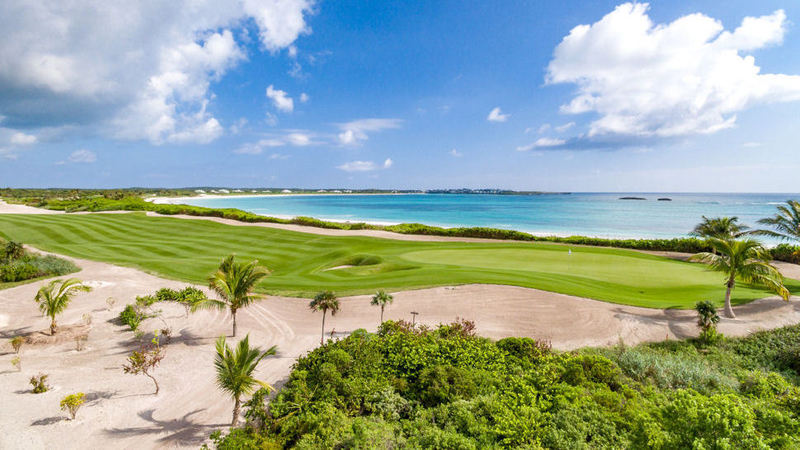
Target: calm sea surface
{"points": [[592, 214]]}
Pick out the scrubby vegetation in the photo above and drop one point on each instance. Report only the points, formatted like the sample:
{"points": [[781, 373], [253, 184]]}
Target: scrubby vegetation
{"points": [[17, 264], [72, 403], [39, 383], [446, 388], [133, 314], [144, 360]]}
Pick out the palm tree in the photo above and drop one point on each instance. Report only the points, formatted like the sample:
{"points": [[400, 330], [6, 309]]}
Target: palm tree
{"points": [[53, 301], [746, 260], [786, 222], [719, 227], [325, 301], [235, 370], [381, 298], [234, 283]]}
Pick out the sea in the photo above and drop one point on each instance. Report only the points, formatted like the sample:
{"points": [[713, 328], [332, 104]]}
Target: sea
{"points": [[605, 215]]}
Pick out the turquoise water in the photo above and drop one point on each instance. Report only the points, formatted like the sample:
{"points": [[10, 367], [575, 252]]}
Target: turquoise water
{"points": [[588, 214]]}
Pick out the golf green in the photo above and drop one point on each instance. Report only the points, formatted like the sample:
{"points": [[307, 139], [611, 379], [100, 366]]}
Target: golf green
{"points": [[303, 264]]}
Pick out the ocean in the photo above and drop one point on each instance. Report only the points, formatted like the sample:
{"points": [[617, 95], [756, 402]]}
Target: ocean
{"points": [[588, 214]]}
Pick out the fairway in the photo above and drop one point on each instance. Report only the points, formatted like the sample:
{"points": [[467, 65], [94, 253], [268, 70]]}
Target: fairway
{"points": [[303, 264]]}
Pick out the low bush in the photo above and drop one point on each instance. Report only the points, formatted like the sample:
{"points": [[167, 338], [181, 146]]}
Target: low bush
{"points": [[72, 403], [413, 387], [39, 383], [132, 316]]}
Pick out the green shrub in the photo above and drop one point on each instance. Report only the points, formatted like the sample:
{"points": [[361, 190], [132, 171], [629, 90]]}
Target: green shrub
{"points": [[72, 403], [39, 383], [132, 316]]}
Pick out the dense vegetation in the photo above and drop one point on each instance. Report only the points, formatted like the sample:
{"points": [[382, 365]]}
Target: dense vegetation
{"points": [[446, 388], [17, 264], [300, 263]]}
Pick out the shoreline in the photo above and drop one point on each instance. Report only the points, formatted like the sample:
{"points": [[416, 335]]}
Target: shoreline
{"points": [[158, 200], [541, 234]]}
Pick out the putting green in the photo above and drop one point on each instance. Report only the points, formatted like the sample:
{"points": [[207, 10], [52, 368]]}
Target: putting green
{"points": [[303, 264]]}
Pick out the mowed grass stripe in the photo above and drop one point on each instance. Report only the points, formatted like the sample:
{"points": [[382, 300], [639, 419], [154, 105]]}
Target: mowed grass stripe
{"points": [[191, 249]]}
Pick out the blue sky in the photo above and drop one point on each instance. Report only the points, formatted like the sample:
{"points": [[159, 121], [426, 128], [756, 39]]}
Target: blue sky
{"points": [[391, 94]]}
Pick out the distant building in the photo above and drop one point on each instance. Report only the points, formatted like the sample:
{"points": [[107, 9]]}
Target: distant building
{"points": [[224, 191], [200, 191], [286, 191], [238, 190]]}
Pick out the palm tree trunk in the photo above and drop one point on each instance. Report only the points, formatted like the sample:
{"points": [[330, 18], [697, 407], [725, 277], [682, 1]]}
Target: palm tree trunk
{"points": [[234, 322], [728, 307], [235, 412], [381, 313], [322, 336], [53, 327]]}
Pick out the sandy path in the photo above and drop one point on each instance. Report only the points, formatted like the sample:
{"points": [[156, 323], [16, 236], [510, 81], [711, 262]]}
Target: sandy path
{"points": [[123, 413]]}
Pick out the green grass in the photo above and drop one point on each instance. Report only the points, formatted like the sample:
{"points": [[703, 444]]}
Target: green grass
{"points": [[189, 250]]}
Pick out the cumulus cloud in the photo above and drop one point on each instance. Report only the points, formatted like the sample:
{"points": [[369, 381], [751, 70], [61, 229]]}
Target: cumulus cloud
{"points": [[135, 70], [364, 166], [455, 153], [542, 143], [280, 99], [304, 97], [82, 156], [355, 132], [496, 115], [686, 77]]}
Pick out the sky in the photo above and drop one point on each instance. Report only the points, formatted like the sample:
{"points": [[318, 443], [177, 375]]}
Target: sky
{"points": [[670, 96]]}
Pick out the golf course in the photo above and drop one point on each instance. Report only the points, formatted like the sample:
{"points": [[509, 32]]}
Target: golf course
{"points": [[302, 264]]}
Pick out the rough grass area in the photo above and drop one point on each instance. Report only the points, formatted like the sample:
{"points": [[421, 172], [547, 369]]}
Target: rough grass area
{"points": [[189, 250]]}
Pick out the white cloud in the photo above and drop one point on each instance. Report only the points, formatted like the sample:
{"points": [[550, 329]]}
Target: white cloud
{"points": [[357, 166], [752, 144], [304, 97], [18, 138], [278, 156], [291, 138], [279, 98], [496, 115], [82, 156], [280, 22], [256, 148], [565, 127], [299, 139], [134, 70], [355, 132], [237, 127], [364, 166], [455, 153], [542, 143], [677, 79]]}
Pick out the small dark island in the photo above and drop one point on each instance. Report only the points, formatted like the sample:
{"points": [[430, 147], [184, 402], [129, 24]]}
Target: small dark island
{"points": [[632, 198], [665, 199]]}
